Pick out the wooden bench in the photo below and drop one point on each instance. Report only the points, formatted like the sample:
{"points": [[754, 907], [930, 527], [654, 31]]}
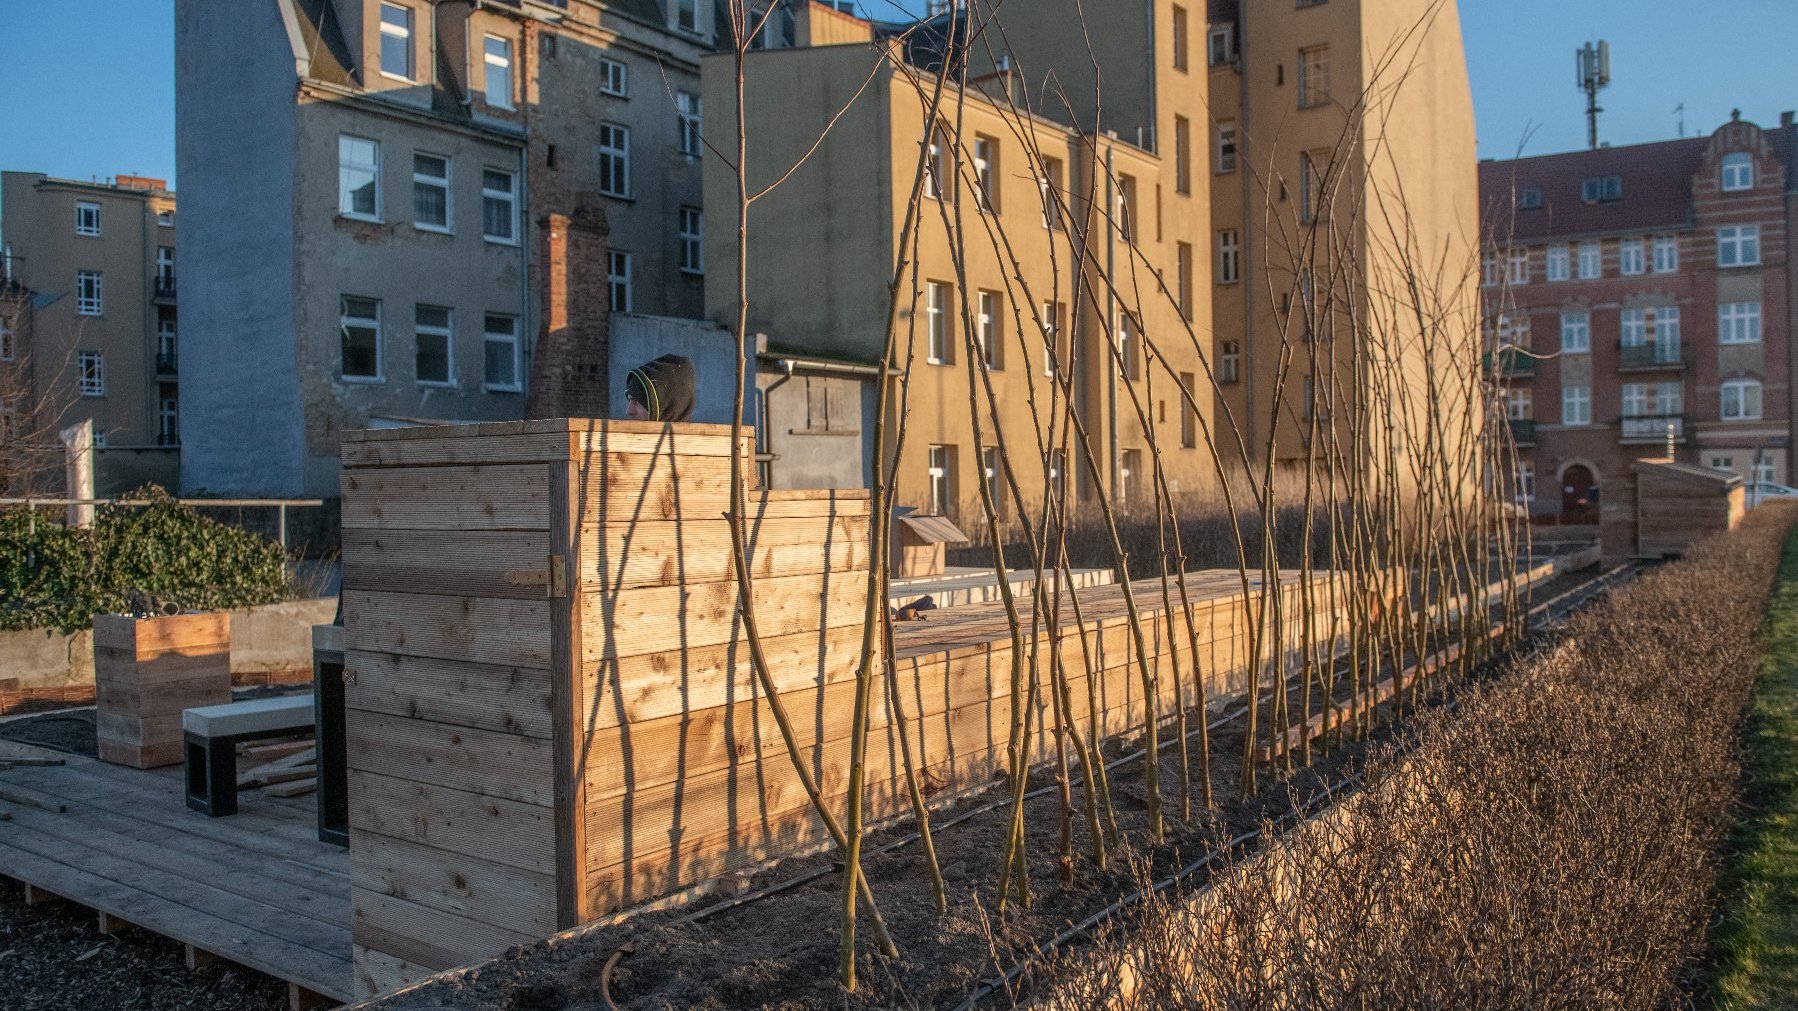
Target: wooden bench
{"points": [[212, 734]]}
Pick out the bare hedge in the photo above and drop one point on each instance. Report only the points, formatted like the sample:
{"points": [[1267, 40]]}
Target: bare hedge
{"points": [[1550, 843]]}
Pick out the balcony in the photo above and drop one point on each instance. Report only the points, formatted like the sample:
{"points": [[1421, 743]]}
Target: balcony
{"points": [[167, 365], [165, 287], [1658, 356], [1509, 362], [1651, 429], [1523, 431]]}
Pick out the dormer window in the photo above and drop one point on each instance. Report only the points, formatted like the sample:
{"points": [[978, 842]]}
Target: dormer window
{"points": [[1221, 45], [396, 41], [686, 15], [1530, 199], [1601, 189], [1738, 172]]}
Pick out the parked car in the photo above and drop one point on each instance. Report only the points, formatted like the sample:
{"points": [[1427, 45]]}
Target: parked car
{"points": [[1767, 491]]}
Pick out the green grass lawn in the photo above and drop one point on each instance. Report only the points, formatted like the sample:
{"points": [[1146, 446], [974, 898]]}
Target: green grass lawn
{"points": [[1757, 943]]}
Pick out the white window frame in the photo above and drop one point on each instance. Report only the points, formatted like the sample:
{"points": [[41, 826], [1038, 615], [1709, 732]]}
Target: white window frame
{"points": [[87, 217], [940, 467], [345, 321], [936, 324], [446, 332], [1633, 327], [508, 197], [166, 219], [987, 307], [688, 110], [497, 65], [1638, 400], [1226, 147], [1764, 470], [1520, 404], [1667, 328], [615, 160], [1630, 258], [1559, 263], [985, 154], [90, 293], [1049, 183], [1576, 406], [90, 373], [1229, 256], [618, 279], [1517, 267], [1666, 254], [1489, 270], [1526, 482], [1739, 390], [168, 421], [692, 240], [1736, 172], [509, 337], [934, 170], [1739, 323], [350, 167], [1051, 324], [1576, 332], [1722, 462], [1591, 260], [1220, 45], [990, 470], [614, 77], [442, 183], [404, 33], [1739, 246]]}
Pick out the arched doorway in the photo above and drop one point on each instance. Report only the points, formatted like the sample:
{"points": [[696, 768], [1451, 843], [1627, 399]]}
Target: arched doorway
{"points": [[1579, 495]]}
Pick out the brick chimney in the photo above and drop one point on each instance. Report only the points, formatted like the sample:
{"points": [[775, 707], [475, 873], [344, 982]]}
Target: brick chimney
{"points": [[571, 370]]}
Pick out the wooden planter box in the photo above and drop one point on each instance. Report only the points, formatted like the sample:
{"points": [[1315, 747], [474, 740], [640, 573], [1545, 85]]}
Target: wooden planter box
{"points": [[146, 670]]}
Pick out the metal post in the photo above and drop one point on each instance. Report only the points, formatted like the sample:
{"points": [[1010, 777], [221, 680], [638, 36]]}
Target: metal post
{"points": [[281, 517]]}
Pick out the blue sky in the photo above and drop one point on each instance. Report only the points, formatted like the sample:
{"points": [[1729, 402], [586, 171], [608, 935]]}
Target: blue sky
{"points": [[90, 83]]}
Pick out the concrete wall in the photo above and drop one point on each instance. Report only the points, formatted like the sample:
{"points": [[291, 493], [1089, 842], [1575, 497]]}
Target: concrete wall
{"points": [[268, 644], [234, 146], [639, 339]]}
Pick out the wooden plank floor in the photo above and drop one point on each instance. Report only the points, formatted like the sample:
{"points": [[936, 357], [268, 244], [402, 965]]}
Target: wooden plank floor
{"points": [[256, 888]]}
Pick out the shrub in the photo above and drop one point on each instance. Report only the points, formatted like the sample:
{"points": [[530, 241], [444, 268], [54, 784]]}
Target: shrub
{"points": [[60, 578]]}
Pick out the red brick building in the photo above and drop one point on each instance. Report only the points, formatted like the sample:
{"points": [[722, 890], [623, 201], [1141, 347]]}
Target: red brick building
{"points": [[1636, 294]]}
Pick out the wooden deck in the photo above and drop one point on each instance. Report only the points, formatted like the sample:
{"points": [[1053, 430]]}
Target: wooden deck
{"points": [[256, 888]]}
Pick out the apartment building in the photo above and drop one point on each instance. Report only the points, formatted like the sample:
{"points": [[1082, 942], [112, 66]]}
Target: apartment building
{"points": [[1343, 166], [88, 324], [1640, 296], [1078, 248], [373, 180]]}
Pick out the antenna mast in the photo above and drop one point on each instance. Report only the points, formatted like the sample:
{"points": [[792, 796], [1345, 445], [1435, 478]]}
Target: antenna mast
{"points": [[1594, 66]]}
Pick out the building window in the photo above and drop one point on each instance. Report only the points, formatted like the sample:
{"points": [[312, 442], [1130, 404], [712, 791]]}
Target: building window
{"points": [[166, 219], [986, 167], [1050, 184], [167, 344], [88, 300], [988, 329], [1226, 146], [1519, 404], [1517, 266], [360, 322], [1183, 278], [1590, 266], [1189, 418], [935, 172], [1576, 405], [1220, 45], [501, 353], [692, 241], [1630, 261], [1601, 189], [91, 373], [614, 77], [1738, 171], [358, 178], [1741, 400], [1229, 256], [1634, 324], [1526, 482], [1129, 470], [687, 105], [936, 315], [1722, 462], [499, 207], [618, 276], [1530, 199], [430, 192], [1764, 470], [1489, 270], [87, 218], [1739, 323], [1665, 322], [431, 332], [1559, 263], [1666, 254], [1129, 340], [687, 15], [1182, 155], [1125, 211], [942, 480], [498, 55], [1738, 245], [614, 160], [1178, 26], [396, 40], [1229, 362], [1576, 332], [1314, 76], [989, 468], [1051, 324], [168, 420]]}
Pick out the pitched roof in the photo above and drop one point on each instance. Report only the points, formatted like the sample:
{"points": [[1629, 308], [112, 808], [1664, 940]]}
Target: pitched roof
{"points": [[1657, 190]]}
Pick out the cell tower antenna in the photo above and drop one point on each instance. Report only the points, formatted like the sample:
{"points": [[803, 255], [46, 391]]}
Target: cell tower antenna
{"points": [[1680, 109], [1594, 66]]}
